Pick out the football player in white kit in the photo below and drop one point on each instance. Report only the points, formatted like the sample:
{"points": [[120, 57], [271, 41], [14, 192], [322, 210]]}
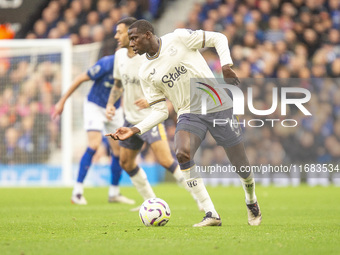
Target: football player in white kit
{"points": [[170, 62], [136, 109]]}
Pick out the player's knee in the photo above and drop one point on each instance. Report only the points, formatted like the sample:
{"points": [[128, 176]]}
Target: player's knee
{"points": [[182, 155], [94, 139], [239, 160], [125, 164], [93, 146]]}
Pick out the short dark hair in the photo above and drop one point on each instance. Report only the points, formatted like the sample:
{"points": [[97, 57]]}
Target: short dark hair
{"points": [[127, 21], [142, 26]]}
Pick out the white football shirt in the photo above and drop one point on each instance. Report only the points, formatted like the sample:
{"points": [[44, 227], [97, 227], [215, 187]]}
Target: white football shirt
{"points": [[168, 72], [126, 69]]}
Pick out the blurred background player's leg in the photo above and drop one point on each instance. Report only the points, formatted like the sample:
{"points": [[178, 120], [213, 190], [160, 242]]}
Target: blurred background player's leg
{"points": [[94, 140], [137, 175], [116, 169], [116, 173]]}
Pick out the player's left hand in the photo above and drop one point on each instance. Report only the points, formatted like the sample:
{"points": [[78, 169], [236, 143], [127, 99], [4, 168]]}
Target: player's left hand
{"points": [[142, 103], [123, 133], [229, 75]]}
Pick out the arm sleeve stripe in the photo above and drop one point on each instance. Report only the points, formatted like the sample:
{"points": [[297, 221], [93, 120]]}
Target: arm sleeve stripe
{"points": [[157, 101], [203, 43]]}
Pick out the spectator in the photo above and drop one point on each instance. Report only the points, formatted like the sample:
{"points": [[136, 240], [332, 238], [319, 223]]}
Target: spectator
{"points": [[92, 20], [76, 7], [274, 33], [312, 40], [54, 33], [25, 141], [71, 20], [98, 34], [10, 151], [40, 29], [63, 29], [103, 8], [209, 5], [85, 34], [115, 15], [50, 17], [334, 8]]}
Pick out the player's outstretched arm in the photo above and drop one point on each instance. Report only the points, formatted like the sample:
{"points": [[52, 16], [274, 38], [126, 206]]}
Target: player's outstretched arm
{"points": [[220, 42], [199, 39], [115, 94], [59, 107], [123, 133]]}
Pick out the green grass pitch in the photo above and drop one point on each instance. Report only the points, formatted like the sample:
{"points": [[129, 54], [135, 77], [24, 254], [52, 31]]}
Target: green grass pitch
{"points": [[296, 220]]}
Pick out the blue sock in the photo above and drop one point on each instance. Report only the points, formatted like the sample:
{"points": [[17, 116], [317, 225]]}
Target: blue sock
{"points": [[116, 170], [85, 164]]}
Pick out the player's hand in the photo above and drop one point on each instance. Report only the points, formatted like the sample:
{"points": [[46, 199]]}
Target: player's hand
{"points": [[123, 133], [110, 112], [142, 103], [230, 76], [58, 109]]}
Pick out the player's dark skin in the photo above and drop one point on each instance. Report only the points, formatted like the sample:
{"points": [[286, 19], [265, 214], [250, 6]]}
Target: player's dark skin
{"points": [[186, 143]]}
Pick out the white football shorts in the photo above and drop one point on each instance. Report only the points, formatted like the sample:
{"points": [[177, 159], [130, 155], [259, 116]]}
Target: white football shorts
{"points": [[95, 118]]}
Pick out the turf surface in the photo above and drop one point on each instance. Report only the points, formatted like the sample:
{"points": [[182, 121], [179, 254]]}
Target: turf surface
{"points": [[296, 220]]}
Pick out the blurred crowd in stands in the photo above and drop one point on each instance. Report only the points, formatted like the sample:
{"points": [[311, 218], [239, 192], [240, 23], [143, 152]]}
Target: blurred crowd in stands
{"points": [[296, 43], [274, 38], [29, 88], [27, 94], [87, 21], [277, 39]]}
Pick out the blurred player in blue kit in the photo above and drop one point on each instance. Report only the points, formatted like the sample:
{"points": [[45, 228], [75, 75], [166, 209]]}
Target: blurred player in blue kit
{"points": [[95, 123]]}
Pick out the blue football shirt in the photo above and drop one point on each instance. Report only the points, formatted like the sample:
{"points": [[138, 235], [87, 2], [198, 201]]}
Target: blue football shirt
{"points": [[102, 75]]}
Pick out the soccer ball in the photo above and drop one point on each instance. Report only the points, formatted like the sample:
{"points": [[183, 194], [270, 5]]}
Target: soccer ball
{"points": [[154, 212]]}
